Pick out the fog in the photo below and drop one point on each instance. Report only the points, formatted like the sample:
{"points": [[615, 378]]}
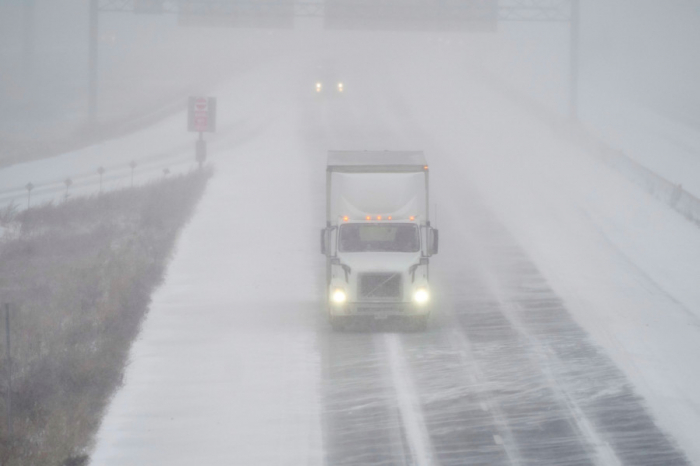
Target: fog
{"points": [[640, 50], [564, 312]]}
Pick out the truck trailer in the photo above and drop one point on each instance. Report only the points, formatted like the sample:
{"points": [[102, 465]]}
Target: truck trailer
{"points": [[378, 240]]}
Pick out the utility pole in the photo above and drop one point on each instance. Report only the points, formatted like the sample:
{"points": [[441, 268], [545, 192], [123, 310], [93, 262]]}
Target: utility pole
{"points": [[92, 62], [574, 59]]}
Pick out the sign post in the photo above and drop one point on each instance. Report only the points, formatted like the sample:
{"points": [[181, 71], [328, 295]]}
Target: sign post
{"points": [[201, 118]]}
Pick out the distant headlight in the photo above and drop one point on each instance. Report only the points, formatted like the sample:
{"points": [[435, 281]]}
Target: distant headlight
{"points": [[318, 87], [421, 296], [339, 296], [340, 87]]}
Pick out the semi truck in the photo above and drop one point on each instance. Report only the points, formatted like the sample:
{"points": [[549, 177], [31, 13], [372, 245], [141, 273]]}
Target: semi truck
{"points": [[378, 239]]}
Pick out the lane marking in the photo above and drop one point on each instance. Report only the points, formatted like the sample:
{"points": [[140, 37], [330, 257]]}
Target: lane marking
{"points": [[408, 404], [603, 454], [460, 341]]}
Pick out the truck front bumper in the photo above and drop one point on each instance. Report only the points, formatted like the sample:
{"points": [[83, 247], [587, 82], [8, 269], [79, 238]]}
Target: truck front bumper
{"points": [[379, 310]]}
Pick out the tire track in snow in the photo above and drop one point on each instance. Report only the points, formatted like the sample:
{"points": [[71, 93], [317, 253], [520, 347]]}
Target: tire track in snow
{"points": [[612, 420], [361, 420], [606, 408], [408, 404]]}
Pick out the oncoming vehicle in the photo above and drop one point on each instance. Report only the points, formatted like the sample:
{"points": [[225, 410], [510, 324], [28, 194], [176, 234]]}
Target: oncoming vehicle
{"points": [[328, 82], [378, 238]]}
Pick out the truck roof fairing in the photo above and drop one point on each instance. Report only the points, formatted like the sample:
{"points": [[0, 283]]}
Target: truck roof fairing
{"points": [[342, 161]]}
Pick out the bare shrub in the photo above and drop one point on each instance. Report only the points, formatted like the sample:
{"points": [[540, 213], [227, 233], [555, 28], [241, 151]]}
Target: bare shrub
{"points": [[80, 277]]}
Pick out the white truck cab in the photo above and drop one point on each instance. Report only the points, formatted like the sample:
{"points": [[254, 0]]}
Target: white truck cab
{"points": [[378, 238]]}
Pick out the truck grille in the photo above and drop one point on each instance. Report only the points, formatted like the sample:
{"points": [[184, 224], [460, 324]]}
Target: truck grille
{"points": [[380, 287]]}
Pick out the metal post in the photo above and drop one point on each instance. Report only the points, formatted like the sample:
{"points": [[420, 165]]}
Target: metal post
{"points": [[201, 150], [574, 59], [68, 184], [200, 147], [132, 165], [9, 369], [92, 63], [29, 188]]}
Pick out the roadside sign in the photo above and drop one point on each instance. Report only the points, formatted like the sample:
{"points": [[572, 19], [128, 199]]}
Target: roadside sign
{"points": [[201, 115], [271, 14], [416, 15]]}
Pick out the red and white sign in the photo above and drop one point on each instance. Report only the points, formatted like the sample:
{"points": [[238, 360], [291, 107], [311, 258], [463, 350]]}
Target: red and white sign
{"points": [[202, 114]]}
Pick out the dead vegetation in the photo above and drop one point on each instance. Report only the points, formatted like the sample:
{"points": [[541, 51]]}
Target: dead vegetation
{"points": [[79, 276]]}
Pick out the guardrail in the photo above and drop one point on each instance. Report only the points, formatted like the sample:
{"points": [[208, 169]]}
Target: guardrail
{"points": [[585, 138], [102, 178], [662, 189]]}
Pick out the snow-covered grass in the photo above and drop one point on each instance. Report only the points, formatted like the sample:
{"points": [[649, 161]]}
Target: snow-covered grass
{"points": [[79, 277]]}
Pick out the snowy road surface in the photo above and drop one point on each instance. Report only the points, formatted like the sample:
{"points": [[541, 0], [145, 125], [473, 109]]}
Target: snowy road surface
{"points": [[565, 329]]}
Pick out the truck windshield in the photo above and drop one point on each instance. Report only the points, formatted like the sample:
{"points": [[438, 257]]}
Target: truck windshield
{"points": [[375, 237]]}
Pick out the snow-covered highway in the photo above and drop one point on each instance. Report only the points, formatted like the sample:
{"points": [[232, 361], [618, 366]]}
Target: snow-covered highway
{"points": [[566, 316]]}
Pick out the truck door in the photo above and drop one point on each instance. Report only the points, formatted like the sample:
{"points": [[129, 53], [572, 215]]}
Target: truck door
{"points": [[329, 247]]}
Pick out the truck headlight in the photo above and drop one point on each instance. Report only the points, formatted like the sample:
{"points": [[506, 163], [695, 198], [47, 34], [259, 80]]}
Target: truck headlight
{"points": [[421, 296], [338, 296]]}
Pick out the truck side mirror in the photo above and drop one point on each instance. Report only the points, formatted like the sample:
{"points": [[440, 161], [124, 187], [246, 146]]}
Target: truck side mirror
{"points": [[324, 236], [434, 241]]}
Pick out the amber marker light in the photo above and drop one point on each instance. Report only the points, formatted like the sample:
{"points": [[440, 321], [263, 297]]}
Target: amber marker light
{"points": [[379, 217], [345, 219], [368, 218], [411, 218], [425, 167], [389, 217]]}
